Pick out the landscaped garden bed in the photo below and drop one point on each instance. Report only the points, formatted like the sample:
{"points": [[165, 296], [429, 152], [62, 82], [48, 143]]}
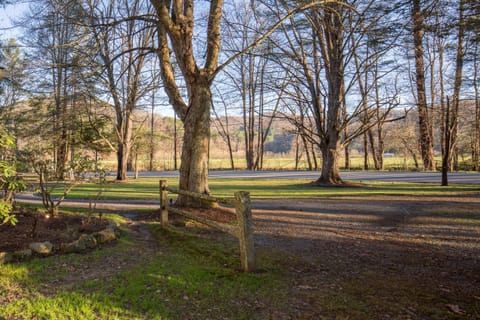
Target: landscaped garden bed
{"points": [[36, 235]]}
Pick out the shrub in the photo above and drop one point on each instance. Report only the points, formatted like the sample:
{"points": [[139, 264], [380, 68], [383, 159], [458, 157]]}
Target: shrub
{"points": [[9, 180]]}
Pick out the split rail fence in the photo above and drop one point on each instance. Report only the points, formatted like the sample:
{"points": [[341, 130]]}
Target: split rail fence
{"points": [[243, 230]]}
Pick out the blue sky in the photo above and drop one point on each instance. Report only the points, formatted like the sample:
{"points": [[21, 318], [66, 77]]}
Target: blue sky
{"points": [[8, 13]]}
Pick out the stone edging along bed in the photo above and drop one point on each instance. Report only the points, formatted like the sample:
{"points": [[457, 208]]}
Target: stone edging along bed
{"points": [[83, 244]]}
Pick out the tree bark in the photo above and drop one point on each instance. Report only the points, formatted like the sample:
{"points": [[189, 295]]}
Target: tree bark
{"points": [[448, 139], [457, 86], [330, 170], [196, 139], [346, 150], [365, 151], [332, 53], [175, 37], [426, 143], [375, 155], [123, 153], [476, 157]]}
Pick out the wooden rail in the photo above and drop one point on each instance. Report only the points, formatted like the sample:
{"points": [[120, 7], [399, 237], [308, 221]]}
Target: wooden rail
{"points": [[243, 231]]}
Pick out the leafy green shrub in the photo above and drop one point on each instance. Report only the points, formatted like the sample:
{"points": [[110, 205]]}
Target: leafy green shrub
{"points": [[9, 180]]}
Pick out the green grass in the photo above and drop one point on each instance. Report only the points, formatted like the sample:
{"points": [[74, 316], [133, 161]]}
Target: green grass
{"points": [[148, 188], [192, 278]]}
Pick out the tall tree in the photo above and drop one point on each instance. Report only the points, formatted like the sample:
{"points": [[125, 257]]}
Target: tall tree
{"points": [[12, 85], [13, 64], [424, 117], [176, 28], [248, 76], [176, 34], [121, 46], [320, 54], [54, 33]]}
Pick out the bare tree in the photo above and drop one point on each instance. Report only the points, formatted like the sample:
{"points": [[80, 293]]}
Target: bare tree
{"points": [[122, 45], [424, 117], [249, 75], [175, 31], [54, 37], [223, 128], [317, 53]]}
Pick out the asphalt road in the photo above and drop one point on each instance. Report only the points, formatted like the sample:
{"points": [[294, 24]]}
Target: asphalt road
{"points": [[433, 177]]}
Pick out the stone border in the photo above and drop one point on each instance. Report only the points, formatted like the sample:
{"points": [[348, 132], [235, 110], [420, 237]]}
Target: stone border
{"points": [[83, 244]]}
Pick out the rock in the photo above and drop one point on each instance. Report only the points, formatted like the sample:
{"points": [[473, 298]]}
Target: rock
{"points": [[83, 243], [5, 257], [22, 255], [72, 233], [88, 240], [113, 225], [105, 235], [44, 248]]}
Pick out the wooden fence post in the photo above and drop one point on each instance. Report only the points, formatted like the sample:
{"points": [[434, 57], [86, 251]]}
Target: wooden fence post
{"points": [[163, 203], [245, 234]]}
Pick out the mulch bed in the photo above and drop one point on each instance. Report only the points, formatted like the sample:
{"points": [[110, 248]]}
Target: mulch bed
{"points": [[59, 229]]}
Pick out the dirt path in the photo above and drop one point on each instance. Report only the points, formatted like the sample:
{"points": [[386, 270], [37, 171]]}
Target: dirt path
{"points": [[398, 251]]}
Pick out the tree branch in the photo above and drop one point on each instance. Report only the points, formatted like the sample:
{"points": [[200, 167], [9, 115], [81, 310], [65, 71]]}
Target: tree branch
{"points": [[271, 30]]}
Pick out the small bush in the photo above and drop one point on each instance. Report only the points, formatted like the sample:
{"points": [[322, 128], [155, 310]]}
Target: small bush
{"points": [[9, 180]]}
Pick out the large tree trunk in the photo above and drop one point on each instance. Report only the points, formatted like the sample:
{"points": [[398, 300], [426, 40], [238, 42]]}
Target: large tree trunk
{"points": [[124, 147], [194, 165], [426, 143], [330, 170], [476, 157], [123, 154], [331, 147], [332, 52]]}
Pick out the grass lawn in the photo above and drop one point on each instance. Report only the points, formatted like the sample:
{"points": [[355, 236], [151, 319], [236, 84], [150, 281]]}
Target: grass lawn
{"points": [[148, 188], [356, 268], [187, 277], [193, 274]]}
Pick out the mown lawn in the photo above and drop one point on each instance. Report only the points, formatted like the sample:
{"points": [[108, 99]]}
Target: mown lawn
{"points": [[191, 273], [148, 188], [185, 277]]}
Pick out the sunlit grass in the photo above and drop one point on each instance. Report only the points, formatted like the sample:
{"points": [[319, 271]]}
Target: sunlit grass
{"points": [[148, 189], [192, 278]]}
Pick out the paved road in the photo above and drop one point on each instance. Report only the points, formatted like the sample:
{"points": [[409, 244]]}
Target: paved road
{"points": [[433, 177]]}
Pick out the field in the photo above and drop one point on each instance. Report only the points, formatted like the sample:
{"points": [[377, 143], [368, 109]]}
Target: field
{"points": [[277, 163]]}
